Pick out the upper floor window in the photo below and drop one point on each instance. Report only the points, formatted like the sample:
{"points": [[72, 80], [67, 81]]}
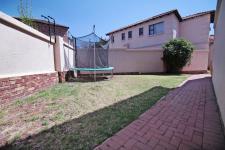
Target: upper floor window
{"points": [[141, 31], [157, 28], [129, 34], [123, 36], [112, 39]]}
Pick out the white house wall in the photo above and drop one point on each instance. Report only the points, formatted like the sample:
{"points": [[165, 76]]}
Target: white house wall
{"points": [[196, 30], [170, 24]]}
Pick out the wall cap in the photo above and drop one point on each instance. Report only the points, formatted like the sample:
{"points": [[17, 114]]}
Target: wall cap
{"points": [[4, 18]]}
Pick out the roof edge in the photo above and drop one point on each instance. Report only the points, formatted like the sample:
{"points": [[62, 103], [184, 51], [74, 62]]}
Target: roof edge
{"points": [[43, 22], [211, 12], [175, 11]]}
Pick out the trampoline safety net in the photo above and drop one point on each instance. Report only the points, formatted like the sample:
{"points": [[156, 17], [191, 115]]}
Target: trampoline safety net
{"points": [[91, 52]]}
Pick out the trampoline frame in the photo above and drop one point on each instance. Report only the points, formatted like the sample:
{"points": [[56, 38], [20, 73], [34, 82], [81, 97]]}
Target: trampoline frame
{"points": [[94, 70]]}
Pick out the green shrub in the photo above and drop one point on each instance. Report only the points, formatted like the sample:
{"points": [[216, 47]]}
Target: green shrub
{"points": [[177, 53]]}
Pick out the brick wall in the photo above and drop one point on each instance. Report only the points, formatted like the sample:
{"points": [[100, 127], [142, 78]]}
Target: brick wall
{"points": [[17, 87]]}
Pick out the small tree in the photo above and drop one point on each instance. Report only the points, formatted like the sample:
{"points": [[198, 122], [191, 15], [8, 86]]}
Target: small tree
{"points": [[26, 13], [177, 53]]}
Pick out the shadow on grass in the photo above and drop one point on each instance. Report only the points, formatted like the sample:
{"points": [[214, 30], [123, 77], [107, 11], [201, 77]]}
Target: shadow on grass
{"points": [[92, 129], [142, 73]]}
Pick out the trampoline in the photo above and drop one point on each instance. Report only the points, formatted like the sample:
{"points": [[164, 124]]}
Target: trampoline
{"points": [[94, 69], [91, 55]]}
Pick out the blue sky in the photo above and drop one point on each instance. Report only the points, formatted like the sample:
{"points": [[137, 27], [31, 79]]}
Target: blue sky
{"points": [[107, 15]]}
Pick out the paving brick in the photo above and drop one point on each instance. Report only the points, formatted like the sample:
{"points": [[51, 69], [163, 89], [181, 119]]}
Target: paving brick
{"points": [[153, 142], [118, 140], [148, 135], [142, 146], [113, 144], [122, 148], [197, 139], [189, 132], [159, 147], [186, 119], [129, 144], [175, 141], [169, 133], [183, 137], [163, 129], [185, 147], [167, 145], [143, 131], [140, 139], [191, 144]]}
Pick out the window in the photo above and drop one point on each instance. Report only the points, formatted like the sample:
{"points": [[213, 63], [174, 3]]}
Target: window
{"points": [[123, 36], [112, 39], [141, 31], [151, 30], [157, 28], [129, 34]]}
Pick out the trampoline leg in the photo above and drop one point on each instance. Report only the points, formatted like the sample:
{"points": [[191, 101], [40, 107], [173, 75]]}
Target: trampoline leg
{"points": [[78, 74], [95, 76], [111, 74]]}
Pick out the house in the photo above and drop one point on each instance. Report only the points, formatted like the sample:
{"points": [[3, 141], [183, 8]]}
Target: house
{"points": [[43, 26], [138, 47], [218, 71]]}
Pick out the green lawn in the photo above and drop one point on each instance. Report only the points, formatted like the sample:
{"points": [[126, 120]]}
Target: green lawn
{"points": [[81, 115]]}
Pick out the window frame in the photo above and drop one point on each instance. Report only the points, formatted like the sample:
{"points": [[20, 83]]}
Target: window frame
{"points": [[129, 35], [141, 28], [112, 39], [123, 36], [152, 29]]}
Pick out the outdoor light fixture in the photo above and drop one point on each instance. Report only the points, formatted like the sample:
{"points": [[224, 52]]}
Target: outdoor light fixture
{"points": [[54, 26], [49, 28]]}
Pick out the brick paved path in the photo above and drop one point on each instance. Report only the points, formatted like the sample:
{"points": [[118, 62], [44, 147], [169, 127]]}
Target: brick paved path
{"points": [[187, 118]]}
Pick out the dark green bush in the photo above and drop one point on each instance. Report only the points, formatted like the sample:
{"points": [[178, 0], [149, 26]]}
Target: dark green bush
{"points": [[177, 53]]}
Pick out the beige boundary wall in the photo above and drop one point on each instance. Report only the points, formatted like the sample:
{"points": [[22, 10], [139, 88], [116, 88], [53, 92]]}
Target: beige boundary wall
{"points": [[199, 62], [150, 61], [138, 61], [218, 74], [26, 60], [24, 51]]}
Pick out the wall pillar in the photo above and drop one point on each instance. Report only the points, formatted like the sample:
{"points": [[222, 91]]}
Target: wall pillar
{"points": [[61, 60]]}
